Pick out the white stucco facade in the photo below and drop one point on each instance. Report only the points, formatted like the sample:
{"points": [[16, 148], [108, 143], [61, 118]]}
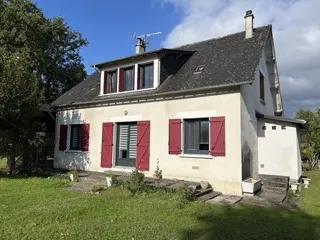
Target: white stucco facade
{"points": [[249, 150], [224, 173], [279, 149], [272, 153], [250, 104]]}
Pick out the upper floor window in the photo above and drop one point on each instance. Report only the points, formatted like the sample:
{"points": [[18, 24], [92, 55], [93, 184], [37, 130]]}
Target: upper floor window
{"points": [[110, 82], [146, 75], [261, 87], [127, 79]]}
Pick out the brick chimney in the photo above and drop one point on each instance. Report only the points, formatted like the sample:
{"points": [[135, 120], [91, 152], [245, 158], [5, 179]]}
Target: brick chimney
{"points": [[248, 18]]}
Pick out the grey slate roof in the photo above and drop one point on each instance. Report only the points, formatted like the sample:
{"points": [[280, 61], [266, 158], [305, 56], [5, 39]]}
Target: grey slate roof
{"points": [[229, 60]]}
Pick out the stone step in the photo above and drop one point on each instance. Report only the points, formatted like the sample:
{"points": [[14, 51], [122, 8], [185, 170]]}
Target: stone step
{"points": [[276, 184], [200, 192], [274, 197], [225, 200], [208, 196], [274, 190], [273, 178]]}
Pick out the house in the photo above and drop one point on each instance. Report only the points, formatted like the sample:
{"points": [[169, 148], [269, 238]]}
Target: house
{"points": [[210, 110]]}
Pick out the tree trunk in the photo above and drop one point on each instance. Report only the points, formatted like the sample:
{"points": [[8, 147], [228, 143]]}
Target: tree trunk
{"points": [[10, 163]]}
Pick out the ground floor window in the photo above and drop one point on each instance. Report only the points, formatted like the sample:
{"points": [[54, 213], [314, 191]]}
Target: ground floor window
{"points": [[75, 137], [126, 144], [196, 136]]}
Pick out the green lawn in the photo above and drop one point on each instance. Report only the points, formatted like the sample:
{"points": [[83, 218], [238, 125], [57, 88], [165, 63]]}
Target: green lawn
{"points": [[35, 208]]}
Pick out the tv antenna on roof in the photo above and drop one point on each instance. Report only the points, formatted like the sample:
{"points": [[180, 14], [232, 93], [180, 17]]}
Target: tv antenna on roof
{"points": [[142, 41]]}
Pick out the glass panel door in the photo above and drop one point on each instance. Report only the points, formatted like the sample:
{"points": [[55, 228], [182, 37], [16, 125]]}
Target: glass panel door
{"points": [[126, 144]]}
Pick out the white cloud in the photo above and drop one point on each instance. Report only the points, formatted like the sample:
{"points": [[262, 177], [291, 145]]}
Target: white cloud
{"points": [[296, 30]]}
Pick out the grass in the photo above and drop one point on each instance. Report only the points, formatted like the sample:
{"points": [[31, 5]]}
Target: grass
{"points": [[35, 208]]}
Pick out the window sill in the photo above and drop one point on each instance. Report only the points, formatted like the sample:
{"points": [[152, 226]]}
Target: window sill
{"points": [[196, 156], [128, 91], [73, 151], [263, 102]]}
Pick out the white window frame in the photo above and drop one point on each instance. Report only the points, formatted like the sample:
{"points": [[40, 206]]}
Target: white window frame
{"points": [[156, 77]]}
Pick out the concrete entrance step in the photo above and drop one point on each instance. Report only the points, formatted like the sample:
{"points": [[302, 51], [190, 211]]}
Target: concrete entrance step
{"points": [[273, 178], [276, 184], [200, 192], [225, 200], [208, 196], [274, 190], [273, 196]]}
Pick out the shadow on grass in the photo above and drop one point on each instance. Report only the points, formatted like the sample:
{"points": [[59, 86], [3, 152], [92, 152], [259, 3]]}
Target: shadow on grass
{"points": [[240, 222], [33, 172]]}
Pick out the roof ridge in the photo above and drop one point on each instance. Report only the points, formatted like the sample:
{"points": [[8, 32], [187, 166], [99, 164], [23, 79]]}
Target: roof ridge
{"points": [[220, 37]]}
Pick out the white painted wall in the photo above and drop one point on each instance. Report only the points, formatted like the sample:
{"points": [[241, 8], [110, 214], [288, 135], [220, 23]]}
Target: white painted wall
{"points": [[279, 150], [224, 173], [250, 103]]}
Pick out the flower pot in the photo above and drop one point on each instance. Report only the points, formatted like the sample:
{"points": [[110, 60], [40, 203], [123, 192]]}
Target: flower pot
{"points": [[306, 182], [109, 181], [251, 185], [294, 187]]}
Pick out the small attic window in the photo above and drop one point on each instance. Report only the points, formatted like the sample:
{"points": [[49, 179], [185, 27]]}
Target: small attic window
{"points": [[199, 69]]}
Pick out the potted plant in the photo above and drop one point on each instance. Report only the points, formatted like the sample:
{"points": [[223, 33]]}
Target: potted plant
{"points": [[109, 178], [74, 175], [158, 172], [251, 185]]}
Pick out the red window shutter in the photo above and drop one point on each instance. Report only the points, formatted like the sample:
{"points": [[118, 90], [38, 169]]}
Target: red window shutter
{"points": [[85, 129], [174, 136], [107, 145], [63, 137], [217, 136], [121, 80], [143, 145]]}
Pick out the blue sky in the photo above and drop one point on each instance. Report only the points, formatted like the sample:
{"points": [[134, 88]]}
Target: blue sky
{"points": [[109, 25]]}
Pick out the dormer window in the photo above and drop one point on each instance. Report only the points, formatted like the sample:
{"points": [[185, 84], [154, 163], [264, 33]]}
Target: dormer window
{"points": [[134, 77], [110, 82], [146, 76], [126, 79]]}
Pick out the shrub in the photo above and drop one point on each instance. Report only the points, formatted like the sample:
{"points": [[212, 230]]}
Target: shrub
{"points": [[184, 194], [136, 182], [75, 174], [95, 188]]}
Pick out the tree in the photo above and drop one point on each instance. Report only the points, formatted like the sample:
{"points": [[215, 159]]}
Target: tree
{"points": [[39, 61], [310, 137], [52, 46], [20, 97]]}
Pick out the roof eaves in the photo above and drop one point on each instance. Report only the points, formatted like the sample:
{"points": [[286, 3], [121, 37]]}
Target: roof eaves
{"points": [[281, 119], [156, 95]]}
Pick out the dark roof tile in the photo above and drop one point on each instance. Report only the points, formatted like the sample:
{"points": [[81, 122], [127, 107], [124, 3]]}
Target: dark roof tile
{"points": [[228, 60]]}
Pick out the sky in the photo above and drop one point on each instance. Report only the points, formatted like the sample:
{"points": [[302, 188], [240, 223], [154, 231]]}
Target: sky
{"points": [[109, 25]]}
